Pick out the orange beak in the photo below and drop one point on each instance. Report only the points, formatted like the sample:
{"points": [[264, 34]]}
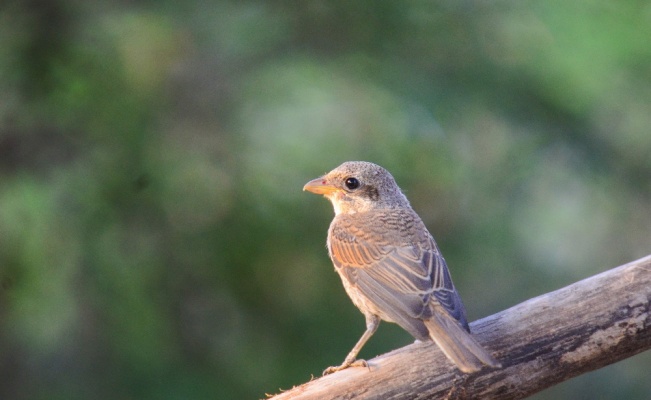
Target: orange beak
{"points": [[320, 186]]}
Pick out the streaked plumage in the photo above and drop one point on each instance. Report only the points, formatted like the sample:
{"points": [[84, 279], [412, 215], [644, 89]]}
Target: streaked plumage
{"points": [[391, 266]]}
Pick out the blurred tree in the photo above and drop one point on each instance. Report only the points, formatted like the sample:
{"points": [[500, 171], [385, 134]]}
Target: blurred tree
{"points": [[154, 240]]}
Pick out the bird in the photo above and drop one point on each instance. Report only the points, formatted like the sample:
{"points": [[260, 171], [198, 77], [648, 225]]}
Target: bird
{"points": [[391, 267]]}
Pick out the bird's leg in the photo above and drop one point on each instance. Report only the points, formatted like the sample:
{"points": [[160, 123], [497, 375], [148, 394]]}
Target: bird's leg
{"points": [[372, 322]]}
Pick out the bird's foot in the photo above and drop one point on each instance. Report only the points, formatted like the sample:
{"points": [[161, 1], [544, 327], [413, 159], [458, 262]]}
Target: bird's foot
{"points": [[346, 364]]}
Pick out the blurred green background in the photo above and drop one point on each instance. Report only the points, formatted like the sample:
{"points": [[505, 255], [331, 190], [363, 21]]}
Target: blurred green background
{"points": [[154, 239]]}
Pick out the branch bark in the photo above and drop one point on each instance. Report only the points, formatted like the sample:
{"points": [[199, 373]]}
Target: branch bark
{"points": [[540, 343]]}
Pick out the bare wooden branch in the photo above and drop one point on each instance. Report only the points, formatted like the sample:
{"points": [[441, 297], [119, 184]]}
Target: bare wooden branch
{"points": [[540, 343]]}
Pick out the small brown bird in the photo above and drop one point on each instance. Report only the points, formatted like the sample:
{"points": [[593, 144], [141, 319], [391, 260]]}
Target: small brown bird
{"points": [[390, 265]]}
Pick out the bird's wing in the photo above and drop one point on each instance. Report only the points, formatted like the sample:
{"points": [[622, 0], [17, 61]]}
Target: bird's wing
{"points": [[402, 281]]}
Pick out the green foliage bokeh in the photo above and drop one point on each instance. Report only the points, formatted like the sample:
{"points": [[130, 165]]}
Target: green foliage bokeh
{"points": [[154, 239]]}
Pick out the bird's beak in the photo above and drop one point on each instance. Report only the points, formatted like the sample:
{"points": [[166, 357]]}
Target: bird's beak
{"points": [[320, 186]]}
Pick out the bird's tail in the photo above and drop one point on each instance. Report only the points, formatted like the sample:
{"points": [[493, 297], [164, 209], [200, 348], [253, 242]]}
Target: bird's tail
{"points": [[457, 344]]}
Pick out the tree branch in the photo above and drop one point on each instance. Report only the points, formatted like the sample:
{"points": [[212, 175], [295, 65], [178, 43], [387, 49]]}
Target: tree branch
{"points": [[540, 343]]}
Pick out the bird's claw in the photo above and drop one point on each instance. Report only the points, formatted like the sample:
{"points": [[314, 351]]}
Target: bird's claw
{"points": [[346, 364], [331, 370]]}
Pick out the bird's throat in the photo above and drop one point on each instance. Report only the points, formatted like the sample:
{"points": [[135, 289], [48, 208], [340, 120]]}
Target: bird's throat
{"points": [[338, 202]]}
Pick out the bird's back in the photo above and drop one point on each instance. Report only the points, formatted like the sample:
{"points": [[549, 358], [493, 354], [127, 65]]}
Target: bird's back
{"points": [[390, 266]]}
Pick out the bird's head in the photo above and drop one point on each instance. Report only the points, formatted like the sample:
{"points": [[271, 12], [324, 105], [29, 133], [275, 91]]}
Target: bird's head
{"points": [[358, 186]]}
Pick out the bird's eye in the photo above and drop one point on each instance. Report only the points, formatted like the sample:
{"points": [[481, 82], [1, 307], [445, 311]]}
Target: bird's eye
{"points": [[351, 183]]}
